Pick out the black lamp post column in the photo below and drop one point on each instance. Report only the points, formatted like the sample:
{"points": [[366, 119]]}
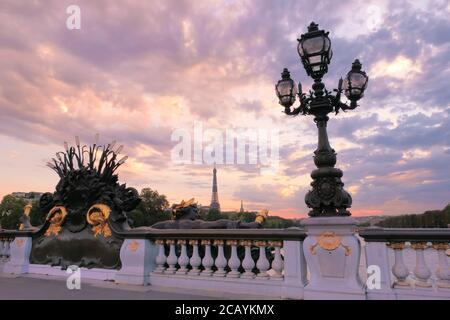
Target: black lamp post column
{"points": [[327, 197], [331, 249]]}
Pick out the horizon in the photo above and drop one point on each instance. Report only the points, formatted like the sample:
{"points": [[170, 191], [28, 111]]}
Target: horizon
{"points": [[149, 75]]}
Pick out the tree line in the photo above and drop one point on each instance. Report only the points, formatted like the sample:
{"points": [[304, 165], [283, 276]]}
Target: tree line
{"points": [[153, 208], [428, 219]]}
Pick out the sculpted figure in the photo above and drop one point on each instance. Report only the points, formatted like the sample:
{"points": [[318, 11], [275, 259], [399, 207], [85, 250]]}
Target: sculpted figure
{"points": [[25, 218], [87, 204], [185, 214]]}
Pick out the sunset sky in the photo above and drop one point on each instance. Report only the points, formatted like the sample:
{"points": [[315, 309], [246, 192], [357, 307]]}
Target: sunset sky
{"points": [[137, 71]]}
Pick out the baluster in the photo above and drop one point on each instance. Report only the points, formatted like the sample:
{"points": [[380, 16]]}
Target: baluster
{"points": [[183, 259], [262, 264], [195, 260], [399, 268], [277, 263], [221, 261], [248, 264], [443, 270], [161, 257], [234, 261], [7, 249], [421, 270], [172, 258], [2, 250], [207, 260]]}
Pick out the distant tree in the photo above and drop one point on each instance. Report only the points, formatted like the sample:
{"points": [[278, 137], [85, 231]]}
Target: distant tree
{"points": [[153, 208], [11, 208], [428, 219], [37, 216], [214, 214], [275, 222], [247, 216]]}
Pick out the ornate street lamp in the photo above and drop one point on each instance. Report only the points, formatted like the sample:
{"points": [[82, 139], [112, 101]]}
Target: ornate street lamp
{"points": [[327, 197]]}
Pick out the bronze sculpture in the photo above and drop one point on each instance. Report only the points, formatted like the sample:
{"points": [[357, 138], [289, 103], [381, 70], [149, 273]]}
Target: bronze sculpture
{"points": [[185, 216], [88, 202]]}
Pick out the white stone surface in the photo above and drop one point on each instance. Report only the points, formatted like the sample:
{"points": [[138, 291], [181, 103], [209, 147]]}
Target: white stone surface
{"points": [[19, 261], [333, 273], [294, 270], [377, 254], [94, 273], [138, 258], [228, 286]]}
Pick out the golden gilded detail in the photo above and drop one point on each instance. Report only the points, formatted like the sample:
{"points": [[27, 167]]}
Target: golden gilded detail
{"points": [[185, 204], [440, 246], [396, 245], [329, 241], [133, 246], [26, 212], [275, 243], [56, 217], [20, 242], [419, 245], [97, 217], [260, 243], [262, 216]]}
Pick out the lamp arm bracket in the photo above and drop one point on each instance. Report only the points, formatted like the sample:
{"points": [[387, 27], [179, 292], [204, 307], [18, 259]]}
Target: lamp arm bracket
{"points": [[301, 109]]}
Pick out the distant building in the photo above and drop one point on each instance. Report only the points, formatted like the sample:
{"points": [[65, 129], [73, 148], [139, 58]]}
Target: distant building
{"points": [[28, 196], [370, 220], [241, 210], [215, 196]]}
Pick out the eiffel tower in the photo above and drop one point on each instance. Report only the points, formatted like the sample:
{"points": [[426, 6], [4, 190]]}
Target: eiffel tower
{"points": [[215, 196]]}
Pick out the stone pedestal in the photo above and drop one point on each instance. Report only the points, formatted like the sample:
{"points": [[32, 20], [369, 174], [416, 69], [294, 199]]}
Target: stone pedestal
{"points": [[19, 261], [332, 253], [137, 257]]}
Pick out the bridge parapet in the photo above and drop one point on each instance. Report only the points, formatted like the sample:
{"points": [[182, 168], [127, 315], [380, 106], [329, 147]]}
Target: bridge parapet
{"points": [[412, 263], [251, 261], [406, 258]]}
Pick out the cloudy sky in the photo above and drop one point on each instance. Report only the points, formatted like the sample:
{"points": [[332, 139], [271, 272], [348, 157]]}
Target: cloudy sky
{"points": [[140, 72]]}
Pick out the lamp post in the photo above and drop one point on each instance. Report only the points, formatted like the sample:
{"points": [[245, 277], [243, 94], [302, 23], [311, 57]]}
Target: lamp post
{"points": [[327, 197]]}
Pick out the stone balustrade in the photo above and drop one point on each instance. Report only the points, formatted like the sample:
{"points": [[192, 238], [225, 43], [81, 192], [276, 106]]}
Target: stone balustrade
{"points": [[414, 278], [248, 259], [276, 263], [421, 273], [5, 249], [251, 261]]}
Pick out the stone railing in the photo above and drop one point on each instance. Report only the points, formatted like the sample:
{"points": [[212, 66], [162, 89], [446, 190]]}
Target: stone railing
{"points": [[5, 249], [259, 262], [404, 257], [318, 262], [15, 248]]}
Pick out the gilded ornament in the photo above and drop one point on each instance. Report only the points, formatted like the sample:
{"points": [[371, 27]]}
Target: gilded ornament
{"points": [[133, 246], [329, 241], [20, 242], [97, 217], [56, 217]]}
